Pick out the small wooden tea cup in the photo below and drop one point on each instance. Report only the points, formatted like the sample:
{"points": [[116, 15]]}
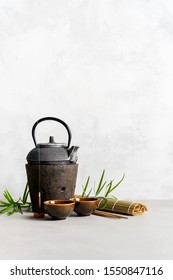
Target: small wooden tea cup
{"points": [[59, 209], [85, 206]]}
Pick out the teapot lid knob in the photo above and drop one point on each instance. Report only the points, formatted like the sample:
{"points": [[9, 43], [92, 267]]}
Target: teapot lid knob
{"points": [[51, 139]]}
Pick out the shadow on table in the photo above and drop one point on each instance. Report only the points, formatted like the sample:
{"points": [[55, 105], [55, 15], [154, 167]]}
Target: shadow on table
{"points": [[30, 216]]}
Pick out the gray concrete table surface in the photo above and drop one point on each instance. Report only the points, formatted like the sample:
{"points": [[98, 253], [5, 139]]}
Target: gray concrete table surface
{"points": [[148, 236]]}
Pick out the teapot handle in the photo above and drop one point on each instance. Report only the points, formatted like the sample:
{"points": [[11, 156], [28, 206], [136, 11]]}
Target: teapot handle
{"points": [[51, 119]]}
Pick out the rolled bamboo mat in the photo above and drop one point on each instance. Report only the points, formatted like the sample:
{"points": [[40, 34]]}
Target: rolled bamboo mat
{"points": [[121, 206]]}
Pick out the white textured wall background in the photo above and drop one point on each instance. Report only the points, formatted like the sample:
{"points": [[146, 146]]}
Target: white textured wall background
{"points": [[104, 67]]}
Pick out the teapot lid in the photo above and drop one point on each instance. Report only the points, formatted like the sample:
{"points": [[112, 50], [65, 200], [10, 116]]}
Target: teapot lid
{"points": [[51, 144]]}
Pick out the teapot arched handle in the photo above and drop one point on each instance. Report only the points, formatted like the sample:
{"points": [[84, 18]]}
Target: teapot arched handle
{"points": [[51, 119]]}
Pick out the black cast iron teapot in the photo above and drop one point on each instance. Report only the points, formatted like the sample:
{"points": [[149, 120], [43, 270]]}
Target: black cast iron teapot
{"points": [[51, 169], [52, 152]]}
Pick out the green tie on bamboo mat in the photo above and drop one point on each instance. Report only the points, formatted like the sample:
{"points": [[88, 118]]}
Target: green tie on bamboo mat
{"points": [[121, 206]]}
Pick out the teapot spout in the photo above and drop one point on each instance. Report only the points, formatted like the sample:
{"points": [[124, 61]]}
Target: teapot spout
{"points": [[72, 154]]}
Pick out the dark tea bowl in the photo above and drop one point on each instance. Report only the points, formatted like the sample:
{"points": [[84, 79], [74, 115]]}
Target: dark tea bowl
{"points": [[59, 209], [85, 206]]}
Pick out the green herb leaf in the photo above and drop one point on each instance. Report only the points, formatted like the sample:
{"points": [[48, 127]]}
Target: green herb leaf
{"points": [[86, 186], [8, 196], [89, 192], [25, 194], [105, 202], [11, 212], [5, 210], [10, 206], [110, 188], [20, 209], [3, 203], [100, 186]]}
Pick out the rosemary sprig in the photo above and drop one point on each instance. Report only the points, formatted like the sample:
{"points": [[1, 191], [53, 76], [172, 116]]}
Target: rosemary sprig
{"points": [[10, 206]]}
